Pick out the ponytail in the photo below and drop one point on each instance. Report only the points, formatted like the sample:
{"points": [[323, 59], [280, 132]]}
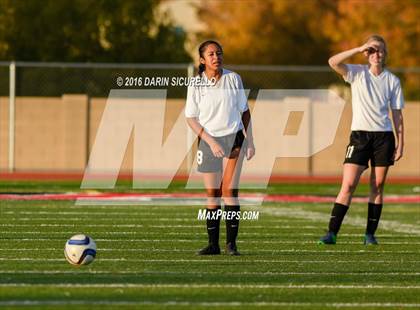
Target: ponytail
{"points": [[201, 68]]}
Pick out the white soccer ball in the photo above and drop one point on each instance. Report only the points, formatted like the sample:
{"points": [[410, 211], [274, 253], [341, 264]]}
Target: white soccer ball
{"points": [[80, 250]]}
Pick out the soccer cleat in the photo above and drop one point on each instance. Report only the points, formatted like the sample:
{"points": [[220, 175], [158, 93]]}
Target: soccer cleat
{"points": [[231, 249], [370, 240], [210, 250], [329, 238]]}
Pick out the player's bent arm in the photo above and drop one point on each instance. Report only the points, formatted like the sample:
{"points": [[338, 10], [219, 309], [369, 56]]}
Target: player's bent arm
{"points": [[198, 129], [246, 121], [200, 132], [336, 62], [397, 118]]}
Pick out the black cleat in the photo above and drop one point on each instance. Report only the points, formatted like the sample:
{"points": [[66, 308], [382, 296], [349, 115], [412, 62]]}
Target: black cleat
{"points": [[231, 249], [210, 250], [370, 240], [329, 238]]}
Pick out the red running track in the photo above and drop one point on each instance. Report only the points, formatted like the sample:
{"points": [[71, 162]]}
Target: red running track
{"points": [[414, 199]]}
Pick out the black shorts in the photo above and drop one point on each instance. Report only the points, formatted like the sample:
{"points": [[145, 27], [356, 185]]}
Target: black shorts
{"points": [[207, 162], [376, 146]]}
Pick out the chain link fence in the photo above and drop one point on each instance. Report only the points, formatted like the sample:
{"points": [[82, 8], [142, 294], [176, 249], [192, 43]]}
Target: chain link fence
{"points": [[32, 81], [95, 80]]}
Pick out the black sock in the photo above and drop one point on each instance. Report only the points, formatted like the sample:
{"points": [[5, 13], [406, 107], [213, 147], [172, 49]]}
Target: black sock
{"points": [[374, 214], [337, 216], [213, 226], [232, 223]]}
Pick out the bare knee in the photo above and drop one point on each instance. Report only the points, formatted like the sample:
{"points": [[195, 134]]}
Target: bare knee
{"points": [[377, 186], [348, 188], [229, 192], [213, 197]]}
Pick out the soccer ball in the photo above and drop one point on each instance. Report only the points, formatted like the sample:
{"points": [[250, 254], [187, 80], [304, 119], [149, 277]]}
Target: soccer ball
{"points": [[80, 250]]}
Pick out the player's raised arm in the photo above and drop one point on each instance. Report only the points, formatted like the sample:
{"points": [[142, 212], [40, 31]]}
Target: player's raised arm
{"points": [[336, 62], [372, 143]]}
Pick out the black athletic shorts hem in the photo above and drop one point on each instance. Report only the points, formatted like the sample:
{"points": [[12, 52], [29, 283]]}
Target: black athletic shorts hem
{"points": [[376, 147]]}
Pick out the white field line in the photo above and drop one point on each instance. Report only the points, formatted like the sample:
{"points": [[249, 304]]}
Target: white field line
{"points": [[119, 213], [74, 302], [114, 220], [212, 285], [350, 219], [140, 233], [140, 207], [89, 225], [178, 233], [192, 250], [317, 217], [138, 260], [158, 209], [200, 226], [90, 213], [99, 207], [149, 233], [199, 240], [95, 218], [179, 202], [267, 273]]}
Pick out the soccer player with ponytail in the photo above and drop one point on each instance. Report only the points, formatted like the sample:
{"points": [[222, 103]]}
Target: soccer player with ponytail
{"points": [[218, 113]]}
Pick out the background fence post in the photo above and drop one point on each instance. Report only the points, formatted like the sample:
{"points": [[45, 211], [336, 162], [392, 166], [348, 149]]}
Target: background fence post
{"points": [[88, 114], [12, 104], [311, 139], [190, 135]]}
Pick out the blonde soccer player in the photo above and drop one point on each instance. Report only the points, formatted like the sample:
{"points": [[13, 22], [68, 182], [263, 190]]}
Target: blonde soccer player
{"points": [[375, 91]]}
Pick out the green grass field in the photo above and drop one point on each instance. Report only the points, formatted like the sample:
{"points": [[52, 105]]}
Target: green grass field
{"points": [[146, 258]]}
